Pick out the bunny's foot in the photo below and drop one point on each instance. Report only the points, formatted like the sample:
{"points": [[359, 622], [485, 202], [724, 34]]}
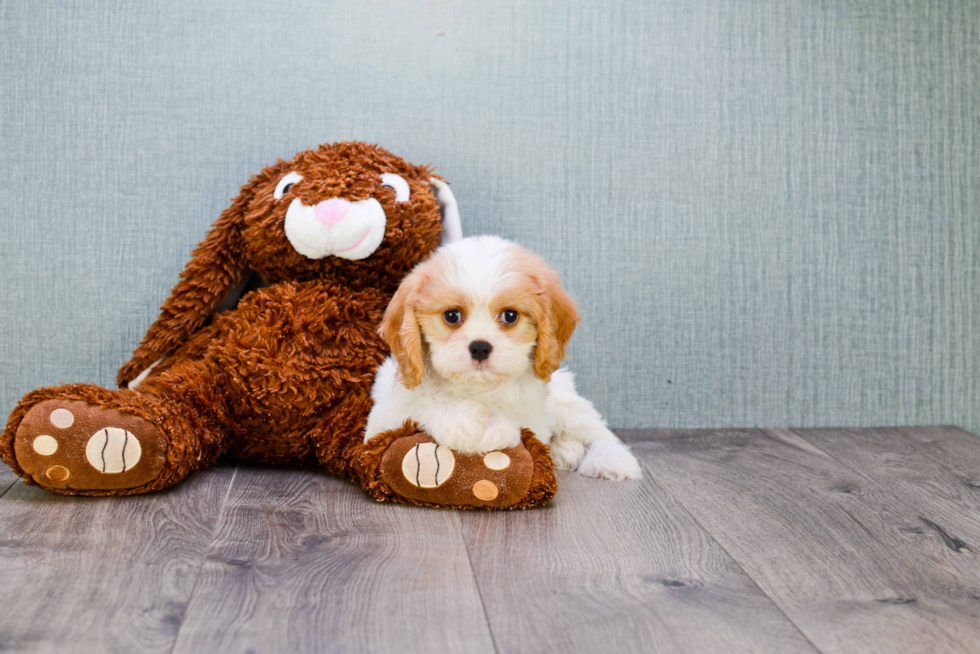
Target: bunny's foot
{"points": [[77, 447], [70, 445], [406, 465]]}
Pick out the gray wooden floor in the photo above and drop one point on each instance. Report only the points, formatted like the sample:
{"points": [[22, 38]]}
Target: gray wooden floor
{"points": [[837, 541]]}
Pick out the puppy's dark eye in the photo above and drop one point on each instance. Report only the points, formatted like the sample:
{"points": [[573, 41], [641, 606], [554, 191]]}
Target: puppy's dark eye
{"points": [[453, 317], [510, 316]]}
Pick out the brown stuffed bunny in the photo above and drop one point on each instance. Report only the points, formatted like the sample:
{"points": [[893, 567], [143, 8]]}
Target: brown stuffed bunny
{"points": [[284, 377]]}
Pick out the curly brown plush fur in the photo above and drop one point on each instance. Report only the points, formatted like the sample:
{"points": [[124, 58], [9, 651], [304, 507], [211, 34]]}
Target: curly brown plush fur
{"points": [[285, 377]]}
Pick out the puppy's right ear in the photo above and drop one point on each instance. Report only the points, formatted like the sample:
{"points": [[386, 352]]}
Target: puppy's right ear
{"points": [[216, 265], [400, 328]]}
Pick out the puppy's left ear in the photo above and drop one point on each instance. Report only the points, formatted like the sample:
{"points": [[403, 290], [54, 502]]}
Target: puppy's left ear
{"points": [[400, 328], [558, 322], [452, 229]]}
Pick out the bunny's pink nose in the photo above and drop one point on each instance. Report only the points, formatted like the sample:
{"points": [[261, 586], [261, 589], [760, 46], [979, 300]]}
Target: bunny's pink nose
{"points": [[330, 212]]}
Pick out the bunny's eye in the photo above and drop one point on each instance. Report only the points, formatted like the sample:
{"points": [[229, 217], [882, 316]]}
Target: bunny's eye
{"points": [[396, 182], [283, 186]]}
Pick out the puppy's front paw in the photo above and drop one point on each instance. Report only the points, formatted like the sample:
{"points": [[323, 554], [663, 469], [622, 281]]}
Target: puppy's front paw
{"points": [[459, 429], [610, 459], [499, 435], [567, 453]]}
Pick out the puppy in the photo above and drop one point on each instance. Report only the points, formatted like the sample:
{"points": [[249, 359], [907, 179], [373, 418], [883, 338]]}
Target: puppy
{"points": [[477, 333]]}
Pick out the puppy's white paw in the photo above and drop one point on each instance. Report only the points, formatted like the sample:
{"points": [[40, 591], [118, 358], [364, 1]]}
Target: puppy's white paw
{"points": [[499, 435], [459, 429], [567, 453], [610, 459]]}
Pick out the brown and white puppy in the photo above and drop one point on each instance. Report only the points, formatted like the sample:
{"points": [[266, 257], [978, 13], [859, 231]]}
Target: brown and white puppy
{"points": [[477, 334]]}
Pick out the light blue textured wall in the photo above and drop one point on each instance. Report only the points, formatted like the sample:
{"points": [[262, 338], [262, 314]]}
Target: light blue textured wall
{"points": [[770, 211]]}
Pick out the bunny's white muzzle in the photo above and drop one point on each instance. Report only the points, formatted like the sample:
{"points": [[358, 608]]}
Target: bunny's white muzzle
{"points": [[335, 227]]}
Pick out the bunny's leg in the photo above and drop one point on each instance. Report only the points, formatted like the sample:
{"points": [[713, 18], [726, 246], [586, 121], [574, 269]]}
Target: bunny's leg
{"points": [[82, 439]]}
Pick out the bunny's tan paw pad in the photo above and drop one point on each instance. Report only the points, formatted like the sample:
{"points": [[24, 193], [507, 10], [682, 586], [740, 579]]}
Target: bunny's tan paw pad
{"points": [[71, 445]]}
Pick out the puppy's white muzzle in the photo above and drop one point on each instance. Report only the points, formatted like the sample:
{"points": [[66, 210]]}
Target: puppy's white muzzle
{"points": [[335, 227]]}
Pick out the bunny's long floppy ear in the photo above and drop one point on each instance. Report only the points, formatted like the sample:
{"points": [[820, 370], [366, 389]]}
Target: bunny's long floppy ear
{"points": [[452, 229], [217, 265]]}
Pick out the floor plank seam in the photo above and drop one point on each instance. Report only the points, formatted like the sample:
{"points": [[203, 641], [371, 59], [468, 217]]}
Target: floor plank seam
{"points": [[476, 582], [648, 471], [204, 558], [7, 489]]}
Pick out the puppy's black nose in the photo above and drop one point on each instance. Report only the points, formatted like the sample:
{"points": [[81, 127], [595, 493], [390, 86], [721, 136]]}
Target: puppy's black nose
{"points": [[480, 350]]}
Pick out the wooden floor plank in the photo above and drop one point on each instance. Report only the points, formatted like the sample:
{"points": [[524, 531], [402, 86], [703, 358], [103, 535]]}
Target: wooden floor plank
{"points": [[617, 567], [952, 447], [843, 558], [304, 562], [109, 574], [903, 463], [7, 478]]}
